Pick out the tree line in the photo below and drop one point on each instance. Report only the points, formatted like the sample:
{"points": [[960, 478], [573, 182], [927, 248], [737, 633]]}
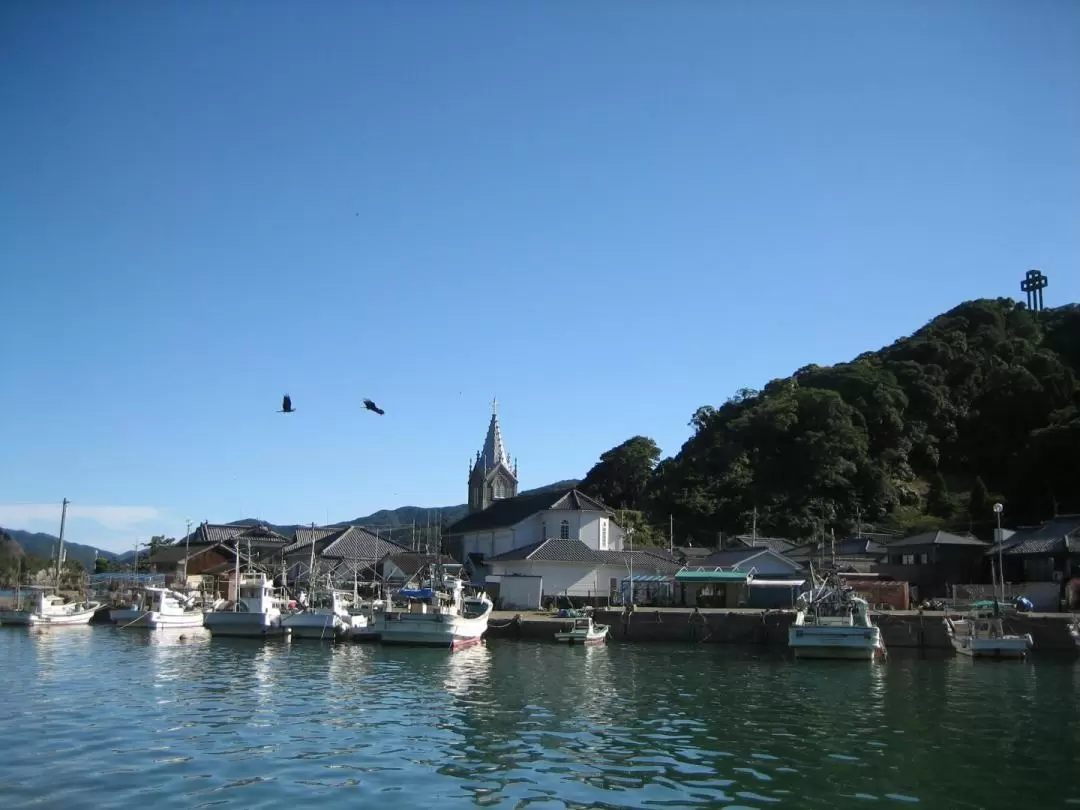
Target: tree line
{"points": [[980, 405]]}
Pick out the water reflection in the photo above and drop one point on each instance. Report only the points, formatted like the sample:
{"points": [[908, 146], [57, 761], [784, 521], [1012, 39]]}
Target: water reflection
{"points": [[152, 720], [464, 670], [59, 648]]}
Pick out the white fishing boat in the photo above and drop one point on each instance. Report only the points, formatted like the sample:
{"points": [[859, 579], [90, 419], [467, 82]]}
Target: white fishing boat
{"points": [[584, 631], [366, 620], [1074, 631], [163, 607], [326, 618], [832, 622], [437, 614], [41, 605], [982, 635], [255, 613], [36, 605]]}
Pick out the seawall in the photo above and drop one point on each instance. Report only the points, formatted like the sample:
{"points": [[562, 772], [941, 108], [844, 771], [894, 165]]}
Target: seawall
{"points": [[911, 630]]}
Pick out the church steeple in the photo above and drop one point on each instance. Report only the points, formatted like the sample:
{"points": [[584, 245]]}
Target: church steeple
{"points": [[493, 475]]}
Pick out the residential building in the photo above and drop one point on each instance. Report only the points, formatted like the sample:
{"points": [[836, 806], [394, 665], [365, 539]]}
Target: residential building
{"points": [[856, 554], [573, 572], [346, 553], [1048, 553], [749, 577], [932, 562]]}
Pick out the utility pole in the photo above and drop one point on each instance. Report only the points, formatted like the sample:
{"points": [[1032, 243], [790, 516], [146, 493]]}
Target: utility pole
{"points": [[671, 534]]}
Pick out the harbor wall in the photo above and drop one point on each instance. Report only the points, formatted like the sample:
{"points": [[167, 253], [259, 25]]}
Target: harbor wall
{"points": [[770, 628]]}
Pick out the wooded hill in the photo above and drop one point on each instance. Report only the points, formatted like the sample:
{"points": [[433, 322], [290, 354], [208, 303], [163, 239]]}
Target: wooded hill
{"points": [[981, 404]]}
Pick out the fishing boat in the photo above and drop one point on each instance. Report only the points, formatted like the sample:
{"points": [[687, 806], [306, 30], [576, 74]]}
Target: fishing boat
{"points": [[583, 631], [367, 617], [981, 635], [831, 621], [255, 613], [325, 619], [40, 606], [165, 608], [1074, 631], [436, 614]]}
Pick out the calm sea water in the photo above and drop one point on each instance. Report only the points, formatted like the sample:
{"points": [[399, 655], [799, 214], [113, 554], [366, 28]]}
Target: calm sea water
{"points": [[96, 717]]}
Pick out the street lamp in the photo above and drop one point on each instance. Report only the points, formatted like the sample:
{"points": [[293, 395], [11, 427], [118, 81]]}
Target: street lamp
{"points": [[998, 508]]}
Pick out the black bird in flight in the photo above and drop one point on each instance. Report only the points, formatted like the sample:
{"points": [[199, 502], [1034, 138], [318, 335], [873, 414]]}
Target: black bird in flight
{"points": [[286, 405], [371, 406]]}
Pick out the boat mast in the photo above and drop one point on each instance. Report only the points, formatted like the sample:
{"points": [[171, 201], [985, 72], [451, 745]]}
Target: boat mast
{"points": [[236, 591], [60, 550], [311, 571]]}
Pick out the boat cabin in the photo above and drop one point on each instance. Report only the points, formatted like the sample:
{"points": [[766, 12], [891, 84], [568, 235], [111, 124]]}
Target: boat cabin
{"points": [[255, 594]]}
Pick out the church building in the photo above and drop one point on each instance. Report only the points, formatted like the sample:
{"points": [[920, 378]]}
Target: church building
{"points": [[560, 540]]}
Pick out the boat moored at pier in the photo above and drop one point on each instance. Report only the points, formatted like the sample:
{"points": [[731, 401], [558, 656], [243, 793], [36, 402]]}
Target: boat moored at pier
{"points": [[437, 614], [831, 621]]}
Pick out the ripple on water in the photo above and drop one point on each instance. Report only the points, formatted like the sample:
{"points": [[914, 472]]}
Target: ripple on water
{"points": [[143, 721]]}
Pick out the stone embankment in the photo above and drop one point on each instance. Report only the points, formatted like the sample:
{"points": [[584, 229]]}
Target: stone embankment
{"points": [[909, 629]]}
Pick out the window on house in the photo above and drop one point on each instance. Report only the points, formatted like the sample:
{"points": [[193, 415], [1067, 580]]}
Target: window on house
{"points": [[603, 534], [924, 559], [907, 559], [564, 530]]}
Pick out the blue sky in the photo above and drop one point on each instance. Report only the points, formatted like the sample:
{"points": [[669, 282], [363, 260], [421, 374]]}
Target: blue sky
{"points": [[606, 214]]}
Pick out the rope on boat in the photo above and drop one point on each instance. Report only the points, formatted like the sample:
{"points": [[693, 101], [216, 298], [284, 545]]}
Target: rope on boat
{"points": [[136, 619]]}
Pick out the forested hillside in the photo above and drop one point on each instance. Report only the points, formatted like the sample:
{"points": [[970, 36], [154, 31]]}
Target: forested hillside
{"points": [[980, 404]]}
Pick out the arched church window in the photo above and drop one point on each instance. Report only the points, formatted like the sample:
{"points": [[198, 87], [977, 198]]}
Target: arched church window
{"points": [[564, 530]]}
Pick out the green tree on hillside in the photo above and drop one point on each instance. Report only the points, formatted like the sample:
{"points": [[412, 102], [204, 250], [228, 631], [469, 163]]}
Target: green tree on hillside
{"points": [[937, 497], [979, 502], [622, 476]]}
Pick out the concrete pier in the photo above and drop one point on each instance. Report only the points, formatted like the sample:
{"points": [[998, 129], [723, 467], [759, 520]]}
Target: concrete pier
{"points": [[908, 629]]}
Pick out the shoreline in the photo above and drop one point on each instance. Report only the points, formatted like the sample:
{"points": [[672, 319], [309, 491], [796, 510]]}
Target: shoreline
{"points": [[899, 629]]}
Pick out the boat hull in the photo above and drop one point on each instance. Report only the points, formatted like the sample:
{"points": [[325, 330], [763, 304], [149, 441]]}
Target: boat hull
{"points": [[427, 630], [1013, 648], [583, 638], [243, 625], [318, 626], [27, 618], [840, 643], [153, 620]]}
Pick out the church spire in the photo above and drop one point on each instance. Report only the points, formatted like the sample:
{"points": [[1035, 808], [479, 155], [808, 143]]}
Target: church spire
{"points": [[494, 452], [493, 476]]}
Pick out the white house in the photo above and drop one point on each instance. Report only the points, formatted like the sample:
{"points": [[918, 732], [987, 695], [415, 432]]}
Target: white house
{"points": [[550, 569]]}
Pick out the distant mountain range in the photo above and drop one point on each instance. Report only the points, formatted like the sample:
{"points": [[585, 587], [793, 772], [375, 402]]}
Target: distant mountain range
{"points": [[395, 524], [398, 524], [39, 544]]}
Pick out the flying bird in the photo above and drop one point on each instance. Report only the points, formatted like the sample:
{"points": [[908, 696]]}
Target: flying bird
{"points": [[286, 405], [371, 406]]}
